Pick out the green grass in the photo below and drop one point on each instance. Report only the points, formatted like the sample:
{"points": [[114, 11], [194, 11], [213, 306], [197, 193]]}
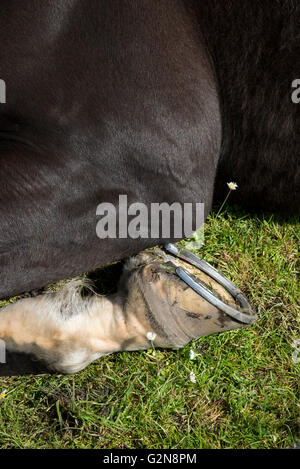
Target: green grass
{"points": [[247, 389]]}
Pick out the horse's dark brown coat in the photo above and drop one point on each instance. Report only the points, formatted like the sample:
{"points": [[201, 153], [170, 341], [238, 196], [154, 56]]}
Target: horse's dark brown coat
{"points": [[130, 97]]}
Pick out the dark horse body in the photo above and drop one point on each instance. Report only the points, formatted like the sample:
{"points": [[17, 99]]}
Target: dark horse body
{"points": [[162, 100]]}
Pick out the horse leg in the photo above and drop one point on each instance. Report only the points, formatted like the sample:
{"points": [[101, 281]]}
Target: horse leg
{"points": [[67, 330]]}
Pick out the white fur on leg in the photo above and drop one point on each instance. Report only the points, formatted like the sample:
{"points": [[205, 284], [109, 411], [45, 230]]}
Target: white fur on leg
{"points": [[64, 329]]}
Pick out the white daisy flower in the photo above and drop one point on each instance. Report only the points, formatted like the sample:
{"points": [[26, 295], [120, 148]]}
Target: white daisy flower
{"points": [[232, 186], [192, 377], [296, 346], [192, 354], [151, 336]]}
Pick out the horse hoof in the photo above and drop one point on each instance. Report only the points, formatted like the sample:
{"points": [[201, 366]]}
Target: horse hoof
{"points": [[173, 310]]}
